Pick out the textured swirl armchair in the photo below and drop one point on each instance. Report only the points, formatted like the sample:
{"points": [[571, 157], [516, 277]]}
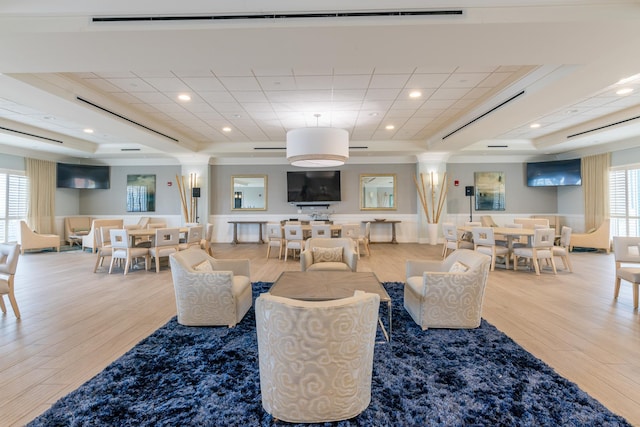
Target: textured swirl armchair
{"points": [[316, 357], [439, 294], [210, 291], [317, 255]]}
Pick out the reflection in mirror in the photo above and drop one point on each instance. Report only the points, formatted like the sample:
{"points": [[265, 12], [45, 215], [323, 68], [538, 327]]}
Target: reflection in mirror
{"points": [[249, 192], [378, 192]]}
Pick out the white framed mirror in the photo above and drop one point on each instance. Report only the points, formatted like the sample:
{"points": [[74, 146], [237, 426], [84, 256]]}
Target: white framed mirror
{"points": [[249, 193], [378, 192]]}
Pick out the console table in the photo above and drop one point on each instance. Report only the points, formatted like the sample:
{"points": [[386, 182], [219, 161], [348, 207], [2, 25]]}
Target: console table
{"points": [[235, 230], [393, 228]]}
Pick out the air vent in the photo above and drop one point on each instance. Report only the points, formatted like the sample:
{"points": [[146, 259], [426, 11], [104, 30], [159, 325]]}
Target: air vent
{"points": [[280, 16], [120, 116], [484, 114], [497, 146], [31, 135], [129, 149], [603, 127]]}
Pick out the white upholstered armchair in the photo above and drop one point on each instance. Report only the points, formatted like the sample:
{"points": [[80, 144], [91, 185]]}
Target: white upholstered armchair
{"points": [[210, 291], [448, 293], [336, 254], [316, 357]]}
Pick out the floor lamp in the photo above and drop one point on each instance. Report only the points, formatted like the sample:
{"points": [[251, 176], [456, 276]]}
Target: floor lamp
{"points": [[468, 191]]}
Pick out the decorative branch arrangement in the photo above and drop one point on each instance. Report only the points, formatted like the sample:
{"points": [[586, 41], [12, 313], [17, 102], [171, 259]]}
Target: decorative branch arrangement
{"points": [[190, 209], [427, 193]]}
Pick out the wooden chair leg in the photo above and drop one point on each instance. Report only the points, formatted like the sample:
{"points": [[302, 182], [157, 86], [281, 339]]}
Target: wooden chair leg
{"points": [[536, 266], [635, 295], [14, 303], [2, 306], [616, 290]]}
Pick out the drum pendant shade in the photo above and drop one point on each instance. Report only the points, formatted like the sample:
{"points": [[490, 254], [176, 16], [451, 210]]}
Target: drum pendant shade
{"points": [[317, 147]]}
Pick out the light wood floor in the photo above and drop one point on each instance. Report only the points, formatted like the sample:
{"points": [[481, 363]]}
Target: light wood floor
{"points": [[75, 322]]}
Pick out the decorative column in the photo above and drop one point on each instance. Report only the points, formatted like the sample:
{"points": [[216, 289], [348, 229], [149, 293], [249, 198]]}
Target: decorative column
{"points": [[430, 165]]}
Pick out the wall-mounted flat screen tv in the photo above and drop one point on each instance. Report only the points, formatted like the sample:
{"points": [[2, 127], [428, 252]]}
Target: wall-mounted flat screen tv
{"points": [[554, 174], [82, 176], [313, 187]]}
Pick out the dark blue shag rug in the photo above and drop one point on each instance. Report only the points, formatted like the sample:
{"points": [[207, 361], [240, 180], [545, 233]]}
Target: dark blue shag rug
{"points": [[208, 376]]}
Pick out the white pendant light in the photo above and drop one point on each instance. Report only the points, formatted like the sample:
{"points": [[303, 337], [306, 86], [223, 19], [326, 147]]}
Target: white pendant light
{"points": [[317, 147]]}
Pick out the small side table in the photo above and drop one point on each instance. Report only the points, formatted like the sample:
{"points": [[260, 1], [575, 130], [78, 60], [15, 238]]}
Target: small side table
{"points": [[235, 230]]}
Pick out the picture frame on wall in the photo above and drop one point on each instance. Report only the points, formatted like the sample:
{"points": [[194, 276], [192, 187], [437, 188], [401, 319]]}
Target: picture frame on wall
{"points": [[490, 191], [141, 193]]}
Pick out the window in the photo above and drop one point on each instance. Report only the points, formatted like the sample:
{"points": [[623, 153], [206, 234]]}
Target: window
{"points": [[13, 204], [624, 200]]}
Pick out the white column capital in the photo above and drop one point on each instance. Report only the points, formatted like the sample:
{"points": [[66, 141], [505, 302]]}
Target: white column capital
{"points": [[432, 157]]}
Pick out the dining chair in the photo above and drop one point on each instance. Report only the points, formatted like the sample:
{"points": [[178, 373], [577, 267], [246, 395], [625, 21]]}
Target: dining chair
{"points": [[275, 238], [122, 249], [205, 243], [453, 239], [103, 245], [484, 242], [365, 238], [321, 231], [165, 243], [626, 251], [9, 255], [293, 239], [351, 231], [541, 248], [195, 233], [562, 250]]}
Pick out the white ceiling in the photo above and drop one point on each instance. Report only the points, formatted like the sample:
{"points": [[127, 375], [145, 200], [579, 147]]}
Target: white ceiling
{"points": [[484, 75]]}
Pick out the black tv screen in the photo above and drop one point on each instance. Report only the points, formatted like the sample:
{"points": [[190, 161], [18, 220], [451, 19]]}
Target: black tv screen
{"points": [[313, 186], [554, 174], [82, 176]]}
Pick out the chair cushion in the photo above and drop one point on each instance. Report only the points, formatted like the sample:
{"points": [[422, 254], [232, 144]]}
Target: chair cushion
{"points": [[629, 274], [458, 267], [331, 266], [203, 266], [327, 254]]}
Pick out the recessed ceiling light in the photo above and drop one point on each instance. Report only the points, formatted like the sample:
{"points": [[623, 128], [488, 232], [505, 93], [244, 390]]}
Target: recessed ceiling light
{"points": [[628, 79], [534, 125], [184, 97], [373, 114], [87, 130], [625, 91], [226, 129], [415, 94], [389, 127], [236, 116]]}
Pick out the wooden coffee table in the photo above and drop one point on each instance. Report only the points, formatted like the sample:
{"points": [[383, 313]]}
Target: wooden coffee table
{"points": [[329, 285]]}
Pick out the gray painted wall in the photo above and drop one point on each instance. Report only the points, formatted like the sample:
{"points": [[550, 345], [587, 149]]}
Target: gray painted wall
{"points": [[518, 197], [277, 187], [114, 200]]}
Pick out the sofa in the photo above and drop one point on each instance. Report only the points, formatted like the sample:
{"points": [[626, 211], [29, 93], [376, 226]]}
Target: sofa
{"points": [[76, 226], [89, 241], [29, 239], [600, 238]]}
